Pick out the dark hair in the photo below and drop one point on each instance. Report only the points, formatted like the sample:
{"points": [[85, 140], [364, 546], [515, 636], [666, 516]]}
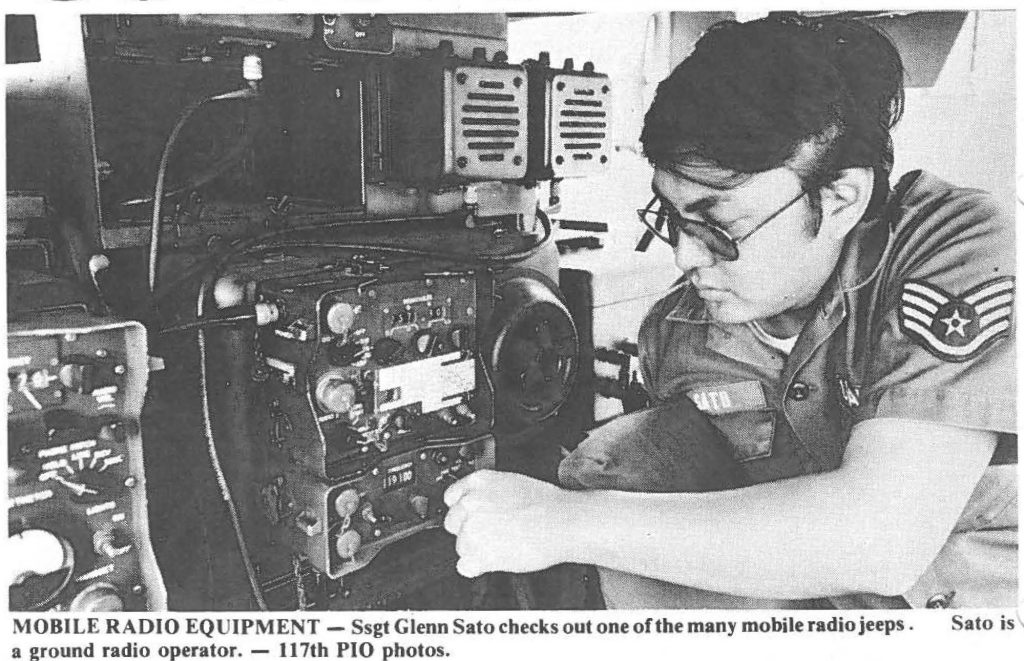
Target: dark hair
{"points": [[754, 96]]}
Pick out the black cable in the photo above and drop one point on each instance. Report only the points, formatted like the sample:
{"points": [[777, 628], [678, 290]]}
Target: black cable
{"points": [[206, 323], [249, 245], [218, 471], [214, 170], [161, 173]]}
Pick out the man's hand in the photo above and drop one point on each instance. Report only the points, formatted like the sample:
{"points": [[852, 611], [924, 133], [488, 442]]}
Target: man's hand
{"points": [[506, 522]]}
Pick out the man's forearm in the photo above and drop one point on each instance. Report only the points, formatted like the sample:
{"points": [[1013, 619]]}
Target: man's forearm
{"points": [[871, 526], [755, 542]]}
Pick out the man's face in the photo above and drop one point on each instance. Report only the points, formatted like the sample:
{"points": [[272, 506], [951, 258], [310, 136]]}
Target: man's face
{"points": [[781, 267]]}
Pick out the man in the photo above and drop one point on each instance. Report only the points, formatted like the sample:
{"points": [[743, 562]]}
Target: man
{"points": [[850, 347]]}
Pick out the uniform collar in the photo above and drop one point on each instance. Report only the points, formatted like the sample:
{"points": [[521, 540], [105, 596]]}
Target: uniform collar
{"points": [[859, 264]]}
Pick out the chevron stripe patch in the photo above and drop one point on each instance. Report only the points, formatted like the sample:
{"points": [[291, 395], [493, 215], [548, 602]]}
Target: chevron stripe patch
{"points": [[956, 328]]}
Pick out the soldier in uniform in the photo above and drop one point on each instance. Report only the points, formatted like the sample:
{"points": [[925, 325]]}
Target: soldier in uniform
{"points": [[833, 419]]}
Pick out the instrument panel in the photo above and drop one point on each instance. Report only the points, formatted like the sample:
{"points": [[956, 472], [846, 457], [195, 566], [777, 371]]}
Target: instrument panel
{"points": [[78, 534]]}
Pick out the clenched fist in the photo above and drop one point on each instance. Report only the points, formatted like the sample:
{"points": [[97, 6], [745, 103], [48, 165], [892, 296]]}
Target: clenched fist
{"points": [[507, 522]]}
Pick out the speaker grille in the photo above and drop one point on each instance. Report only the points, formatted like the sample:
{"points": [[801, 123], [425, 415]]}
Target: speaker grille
{"points": [[487, 130], [580, 132]]}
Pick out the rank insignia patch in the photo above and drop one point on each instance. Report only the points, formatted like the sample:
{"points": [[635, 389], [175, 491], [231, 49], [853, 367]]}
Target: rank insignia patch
{"points": [[956, 328]]}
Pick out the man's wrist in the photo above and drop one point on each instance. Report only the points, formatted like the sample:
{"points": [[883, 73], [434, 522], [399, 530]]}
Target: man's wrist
{"points": [[565, 513]]}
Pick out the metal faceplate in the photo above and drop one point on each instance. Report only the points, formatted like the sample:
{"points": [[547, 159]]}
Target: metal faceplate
{"points": [[485, 122], [580, 136]]}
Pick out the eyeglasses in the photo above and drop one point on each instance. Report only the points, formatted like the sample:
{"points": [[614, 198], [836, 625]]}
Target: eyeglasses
{"points": [[665, 223]]}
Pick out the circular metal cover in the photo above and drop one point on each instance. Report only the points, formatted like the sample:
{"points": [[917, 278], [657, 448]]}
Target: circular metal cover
{"points": [[534, 357]]}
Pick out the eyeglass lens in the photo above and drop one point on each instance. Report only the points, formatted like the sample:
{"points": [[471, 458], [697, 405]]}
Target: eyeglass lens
{"points": [[713, 237]]}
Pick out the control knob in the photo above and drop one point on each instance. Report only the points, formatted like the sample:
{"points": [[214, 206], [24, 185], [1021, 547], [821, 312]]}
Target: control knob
{"points": [[98, 597], [420, 505], [346, 503], [348, 544], [111, 543], [335, 394], [340, 318], [74, 376], [461, 337], [428, 343]]}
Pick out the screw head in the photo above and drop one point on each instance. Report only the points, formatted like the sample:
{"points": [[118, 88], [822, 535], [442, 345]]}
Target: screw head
{"points": [[604, 159], [560, 86], [130, 481], [605, 89], [517, 81], [461, 78], [462, 161], [559, 160], [517, 160]]}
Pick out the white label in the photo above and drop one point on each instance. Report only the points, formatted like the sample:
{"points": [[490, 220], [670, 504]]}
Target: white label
{"points": [[425, 298], [30, 498], [99, 509], [428, 382]]}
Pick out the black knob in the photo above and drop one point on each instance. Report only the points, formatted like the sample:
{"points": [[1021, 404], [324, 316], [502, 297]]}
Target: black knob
{"points": [[461, 337], [427, 343]]}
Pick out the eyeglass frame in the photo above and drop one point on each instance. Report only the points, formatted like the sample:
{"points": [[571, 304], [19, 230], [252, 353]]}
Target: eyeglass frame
{"points": [[713, 228]]}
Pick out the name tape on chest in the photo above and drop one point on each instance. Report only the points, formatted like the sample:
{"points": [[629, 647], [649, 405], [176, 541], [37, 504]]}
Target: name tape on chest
{"points": [[729, 398], [956, 328]]}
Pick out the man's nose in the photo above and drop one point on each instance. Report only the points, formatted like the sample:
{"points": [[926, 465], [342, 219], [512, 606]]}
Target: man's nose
{"points": [[692, 253]]}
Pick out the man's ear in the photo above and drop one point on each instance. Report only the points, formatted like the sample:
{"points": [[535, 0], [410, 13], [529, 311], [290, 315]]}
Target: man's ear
{"points": [[845, 200]]}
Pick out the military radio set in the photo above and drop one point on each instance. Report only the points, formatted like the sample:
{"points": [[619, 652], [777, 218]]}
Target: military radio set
{"points": [[274, 284]]}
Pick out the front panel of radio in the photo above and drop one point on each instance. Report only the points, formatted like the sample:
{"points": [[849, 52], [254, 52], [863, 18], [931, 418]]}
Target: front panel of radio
{"points": [[377, 399], [78, 533]]}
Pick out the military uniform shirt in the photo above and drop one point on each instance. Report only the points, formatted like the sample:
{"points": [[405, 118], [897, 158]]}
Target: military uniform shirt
{"points": [[915, 323]]}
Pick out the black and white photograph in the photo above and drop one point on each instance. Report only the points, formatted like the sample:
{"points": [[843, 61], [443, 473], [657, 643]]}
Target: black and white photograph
{"points": [[496, 310]]}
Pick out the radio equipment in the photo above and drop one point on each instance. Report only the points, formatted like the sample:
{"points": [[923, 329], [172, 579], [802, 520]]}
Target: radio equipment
{"points": [[570, 120], [78, 528], [318, 396], [374, 392], [455, 119]]}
